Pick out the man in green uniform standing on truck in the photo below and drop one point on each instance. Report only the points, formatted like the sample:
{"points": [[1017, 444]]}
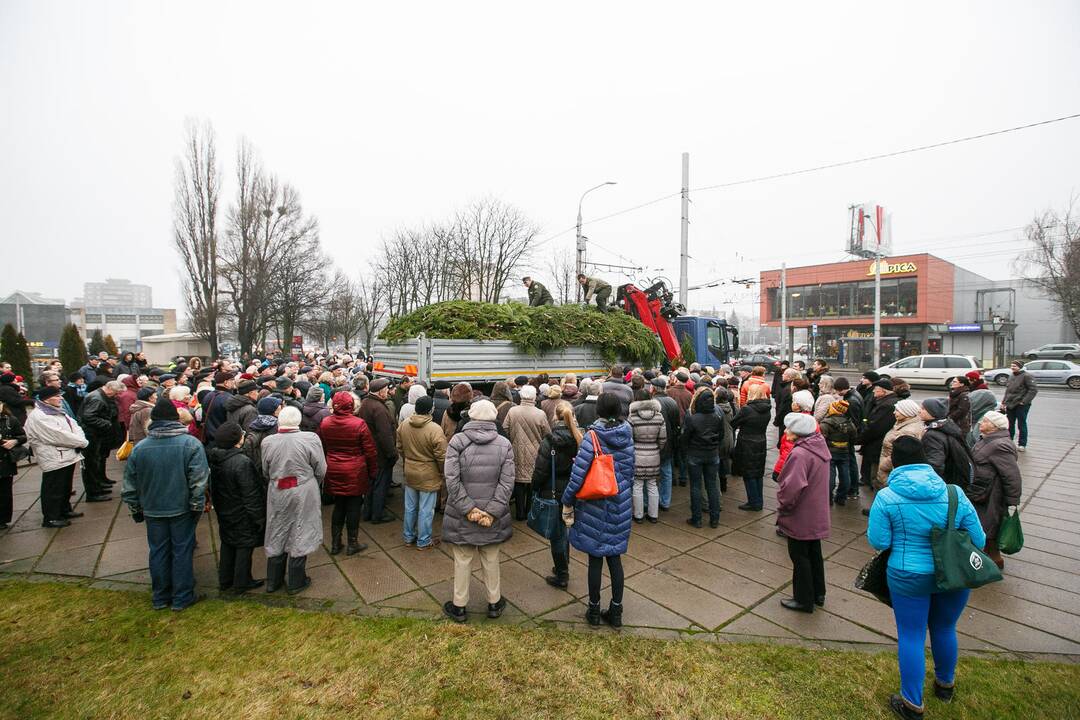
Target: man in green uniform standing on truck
{"points": [[538, 294], [598, 288]]}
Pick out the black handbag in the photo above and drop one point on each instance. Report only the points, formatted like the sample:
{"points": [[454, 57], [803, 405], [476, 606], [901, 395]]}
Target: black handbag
{"points": [[872, 578], [544, 513]]}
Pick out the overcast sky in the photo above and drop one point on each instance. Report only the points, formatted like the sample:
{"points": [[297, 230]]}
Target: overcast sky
{"points": [[395, 114]]}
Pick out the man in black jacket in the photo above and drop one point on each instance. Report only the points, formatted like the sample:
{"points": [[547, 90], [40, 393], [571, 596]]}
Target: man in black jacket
{"points": [[100, 421], [944, 444], [783, 401], [879, 422]]}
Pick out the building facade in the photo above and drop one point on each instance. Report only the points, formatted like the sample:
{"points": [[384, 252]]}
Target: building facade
{"points": [[116, 293], [127, 325], [41, 320]]}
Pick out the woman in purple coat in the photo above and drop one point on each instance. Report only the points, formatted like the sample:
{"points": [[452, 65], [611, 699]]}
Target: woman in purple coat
{"points": [[803, 513]]}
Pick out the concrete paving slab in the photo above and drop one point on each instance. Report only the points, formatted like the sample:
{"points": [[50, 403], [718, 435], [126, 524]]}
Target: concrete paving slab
{"points": [[699, 606], [425, 567], [328, 583], [520, 586], [18, 545], [757, 626], [123, 556], [718, 581], [736, 561], [375, 576], [416, 600], [1012, 635], [76, 561]]}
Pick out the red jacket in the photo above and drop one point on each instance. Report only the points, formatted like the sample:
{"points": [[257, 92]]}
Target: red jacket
{"points": [[745, 388], [350, 454], [125, 399]]}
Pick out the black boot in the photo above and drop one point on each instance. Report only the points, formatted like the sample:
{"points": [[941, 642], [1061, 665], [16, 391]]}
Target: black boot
{"points": [[275, 572], [902, 710], [455, 613], [559, 581], [613, 615], [943, 693], [298, 579], [335, 539], [355, 546], [592, 615], [495, 609]]}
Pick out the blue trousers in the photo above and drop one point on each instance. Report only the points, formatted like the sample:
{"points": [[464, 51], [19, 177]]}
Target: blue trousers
{"points": [[1018, 421], [665, 483], [172, 547], [839, 470], [419, 516], [914, 615], [853, 474]]}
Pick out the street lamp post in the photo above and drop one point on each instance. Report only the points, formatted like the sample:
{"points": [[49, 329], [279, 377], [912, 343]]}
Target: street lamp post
{"points": [[877, 290], [581, 238]]}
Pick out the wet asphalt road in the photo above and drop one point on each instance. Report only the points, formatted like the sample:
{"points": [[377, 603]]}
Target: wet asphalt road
{"points": [[1055, 413]]}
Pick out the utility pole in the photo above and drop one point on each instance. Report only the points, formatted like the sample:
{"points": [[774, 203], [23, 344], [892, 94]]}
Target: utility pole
{"points": [[783, 311], [684, 286], [877, 288]]}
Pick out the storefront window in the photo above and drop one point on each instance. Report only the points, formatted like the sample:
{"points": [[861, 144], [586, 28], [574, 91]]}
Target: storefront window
{"points": [[854, 299], [908, 296], [889, 299], [865, 305]]}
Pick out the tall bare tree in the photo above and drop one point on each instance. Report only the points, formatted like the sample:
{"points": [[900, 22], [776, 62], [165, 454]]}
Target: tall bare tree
{"points": [[487, 241], [373, 308], [563, 268], [1051, 260], [195, 232]]}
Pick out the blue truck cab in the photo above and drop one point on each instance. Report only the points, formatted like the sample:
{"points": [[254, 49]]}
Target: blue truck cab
{"points": [[713, 339]]}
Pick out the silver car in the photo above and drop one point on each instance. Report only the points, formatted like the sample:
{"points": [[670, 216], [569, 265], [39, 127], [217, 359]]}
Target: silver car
{"points": [[1048, 372], [1063, 351]]}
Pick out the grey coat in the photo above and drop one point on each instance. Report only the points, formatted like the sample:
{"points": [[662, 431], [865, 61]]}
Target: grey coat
{"points": [[650, 436], [1021, 390], [526, 425], [997, 483], [479, 474], [293, 515]]}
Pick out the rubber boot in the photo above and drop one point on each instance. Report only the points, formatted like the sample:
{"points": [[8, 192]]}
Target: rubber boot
{"points": [[275, 572], [335, 538], [592, 615], [613, 615], [298, 579]]}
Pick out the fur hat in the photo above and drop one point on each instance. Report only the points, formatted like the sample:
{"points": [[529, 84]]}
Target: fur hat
{"points": [[1001, 422], [554, 391], [800, 423], [937, 407], [482, 410], [907, 407], [527, 392], [804, 399], [461, 393]]}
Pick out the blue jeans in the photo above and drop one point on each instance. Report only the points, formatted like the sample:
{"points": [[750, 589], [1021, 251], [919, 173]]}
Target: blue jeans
{"points": [[755, 494], [914, 615], [172, 547], [665, 483], [419, 510], [1018, 417], [375, 502], [839, 469], [703, 472]]}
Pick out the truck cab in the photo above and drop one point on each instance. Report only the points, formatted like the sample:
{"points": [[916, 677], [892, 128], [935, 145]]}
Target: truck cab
{"points": [[713, 339]]}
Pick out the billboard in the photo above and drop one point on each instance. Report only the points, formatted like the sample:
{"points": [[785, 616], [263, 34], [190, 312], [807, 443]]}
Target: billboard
{"points": [[871, 230]]}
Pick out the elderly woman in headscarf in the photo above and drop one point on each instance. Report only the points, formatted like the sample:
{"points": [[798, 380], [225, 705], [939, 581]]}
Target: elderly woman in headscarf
{"points": [[997, 486], [294, 464], [408, 408], [550, 401], [503, 400]]}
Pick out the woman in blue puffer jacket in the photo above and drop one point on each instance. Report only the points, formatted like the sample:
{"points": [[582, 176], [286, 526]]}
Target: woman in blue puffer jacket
{"points": [[901, 517], [601, 528]]}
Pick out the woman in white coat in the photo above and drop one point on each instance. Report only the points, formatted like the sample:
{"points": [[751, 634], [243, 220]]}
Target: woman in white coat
{"points": [[55, 440]]}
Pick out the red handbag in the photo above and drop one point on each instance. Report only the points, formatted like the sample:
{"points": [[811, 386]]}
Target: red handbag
{"points": [[600, 481]]}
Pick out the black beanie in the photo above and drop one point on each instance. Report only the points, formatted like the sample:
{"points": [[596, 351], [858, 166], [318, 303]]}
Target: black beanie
{"points": [[907, 450], [227, 435], [164, 410], [424, 405], [145, 393]]}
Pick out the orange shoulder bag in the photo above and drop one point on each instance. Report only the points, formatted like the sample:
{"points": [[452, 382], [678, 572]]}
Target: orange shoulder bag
{"points": [[600, 481]]}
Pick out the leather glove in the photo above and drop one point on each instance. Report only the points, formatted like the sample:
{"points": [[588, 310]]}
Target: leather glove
{"points": [[138, 516], [568, 515]]}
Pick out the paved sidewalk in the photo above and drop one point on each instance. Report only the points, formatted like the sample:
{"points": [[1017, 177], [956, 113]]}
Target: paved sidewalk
{"points": [[721, 584]]}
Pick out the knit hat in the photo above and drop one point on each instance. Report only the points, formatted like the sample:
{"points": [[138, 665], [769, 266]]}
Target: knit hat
{"points": [[1001, 422], [47, 392], [227, 435], [840, 407], [482, 410], [145, 393], [554, 392], [872, 376], [425, 404], [314, 394], [804, 399], [800, 423], [975, 376], [937, 407], [164, 410], [268, 405], [884, 384], [343, 401], [245, 387], [907, 450], [907, 407], [462, 393]]}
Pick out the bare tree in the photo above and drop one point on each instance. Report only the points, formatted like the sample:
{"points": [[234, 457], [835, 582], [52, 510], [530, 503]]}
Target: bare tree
{"points": [[487, 241], [195, 233], [563, 268], [374, 308], [1051, 260]]}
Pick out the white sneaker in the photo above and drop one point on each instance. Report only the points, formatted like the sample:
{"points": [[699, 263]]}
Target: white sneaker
{"points": [[1021, 448]]}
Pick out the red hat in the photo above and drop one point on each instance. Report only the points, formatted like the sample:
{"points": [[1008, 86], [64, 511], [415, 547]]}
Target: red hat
{"points": [[974, 375], [247, 376], [343, 401]]}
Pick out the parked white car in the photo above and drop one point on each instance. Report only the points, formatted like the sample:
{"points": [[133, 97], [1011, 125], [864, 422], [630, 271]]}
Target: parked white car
{"points": [[1047, 372], [936, 370]]}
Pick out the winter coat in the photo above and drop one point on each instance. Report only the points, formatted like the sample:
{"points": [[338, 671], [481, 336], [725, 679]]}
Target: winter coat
{"points": [[526, 425], [903, 513], [240, 409], [10, 429], [374, 412], [672, 423], [997, 483], [960, 409], [726, 413], [293, 515], [585, 411], [140, 420], [879, 421], [783, 405], [126, 399], [748, 457], [351, 462], [786, 446], [745, 388], [423, 446], [565, 448], [479, 474], [166, 474], [982, 401], [1021, 390], [803, 495], [74, 395], [100, 421], [681, 396], [854, 409], [539, 295], [908, 427], [702, 430], [215, 414], [239, 497], [54, 438], [312, 415], [839, 433], [947, 452], [618, 388], [257, 431], [132, 368], [650, 434], [548, 406], [821, 405], [602, 527]]}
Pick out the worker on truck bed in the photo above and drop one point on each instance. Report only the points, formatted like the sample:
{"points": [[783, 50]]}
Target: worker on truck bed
{"points": [[597, 287], [538, 294]]}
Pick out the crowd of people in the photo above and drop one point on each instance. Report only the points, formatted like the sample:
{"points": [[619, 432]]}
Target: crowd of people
{"points": [[266, 442]]}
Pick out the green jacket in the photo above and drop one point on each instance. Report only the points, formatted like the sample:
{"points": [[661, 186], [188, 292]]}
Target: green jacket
{"points": [[594, 286], [539, 295]]}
